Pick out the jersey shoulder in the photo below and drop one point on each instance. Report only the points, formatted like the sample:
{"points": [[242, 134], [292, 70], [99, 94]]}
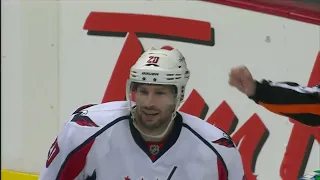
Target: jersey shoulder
{"points": [[207, 131], [89, 121], [83, 128], [97, 115]]}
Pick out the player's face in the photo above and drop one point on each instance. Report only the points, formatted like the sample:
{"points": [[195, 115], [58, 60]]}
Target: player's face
{"points": [[155, 105]]}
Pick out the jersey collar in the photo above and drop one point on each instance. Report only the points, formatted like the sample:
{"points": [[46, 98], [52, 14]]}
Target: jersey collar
{"points": [[170, 140]]}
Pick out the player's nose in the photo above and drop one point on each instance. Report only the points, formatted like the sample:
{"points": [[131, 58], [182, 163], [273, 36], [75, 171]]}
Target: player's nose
{"points": [[150, 100]]}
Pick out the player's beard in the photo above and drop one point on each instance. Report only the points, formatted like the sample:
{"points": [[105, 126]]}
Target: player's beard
{"points": [[158, 124]]}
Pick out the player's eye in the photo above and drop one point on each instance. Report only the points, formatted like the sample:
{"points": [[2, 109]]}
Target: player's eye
{"points": [[144, 92], [160, 93]]}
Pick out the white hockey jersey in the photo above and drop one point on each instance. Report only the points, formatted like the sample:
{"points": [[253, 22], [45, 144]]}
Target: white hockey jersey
{"points": [[100, 143]]}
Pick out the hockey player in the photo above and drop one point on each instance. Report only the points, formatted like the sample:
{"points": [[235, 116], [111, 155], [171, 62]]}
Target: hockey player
{"points": [[284, 98], [144, 138]]}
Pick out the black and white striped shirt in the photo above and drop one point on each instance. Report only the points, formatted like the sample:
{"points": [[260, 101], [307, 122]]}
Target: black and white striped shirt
{"points": [[290, 99]]}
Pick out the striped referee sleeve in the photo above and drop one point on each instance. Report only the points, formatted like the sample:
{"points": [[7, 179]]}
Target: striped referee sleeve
{"points": [[290, 99]]}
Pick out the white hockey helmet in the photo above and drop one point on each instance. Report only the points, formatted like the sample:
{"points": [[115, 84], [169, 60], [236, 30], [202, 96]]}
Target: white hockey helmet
{"points": [[165, 66]]}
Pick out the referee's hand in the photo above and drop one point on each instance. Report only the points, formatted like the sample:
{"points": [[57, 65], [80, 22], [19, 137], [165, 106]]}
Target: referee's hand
{"points": [[241, 78]]}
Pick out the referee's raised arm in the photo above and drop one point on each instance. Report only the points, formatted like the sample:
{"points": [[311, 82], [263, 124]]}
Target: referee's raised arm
{"points": [[284, 98]]}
